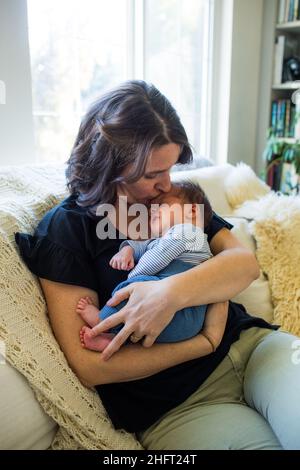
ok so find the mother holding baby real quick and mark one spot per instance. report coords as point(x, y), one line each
point(237, 388)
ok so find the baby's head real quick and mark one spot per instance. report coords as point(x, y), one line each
point(185, 203)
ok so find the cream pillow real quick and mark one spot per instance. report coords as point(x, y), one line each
point(257, 297)
point(211, 179)
point(24, 424)
point(242, 184)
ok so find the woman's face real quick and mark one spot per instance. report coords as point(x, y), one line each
point(156, 179)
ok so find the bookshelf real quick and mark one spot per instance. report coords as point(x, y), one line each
point(289, 26)
point(283, 147)
point(286, 86)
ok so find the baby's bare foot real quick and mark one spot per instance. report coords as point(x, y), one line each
point(88, 311)
point(95, 343)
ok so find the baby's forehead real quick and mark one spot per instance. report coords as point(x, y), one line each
point(173, 195)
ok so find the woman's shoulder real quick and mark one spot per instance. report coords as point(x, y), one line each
point(67, 209)
point(73, 228)
point(61, 247)
point(66, 224)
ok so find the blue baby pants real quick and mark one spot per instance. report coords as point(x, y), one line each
point(185, 324)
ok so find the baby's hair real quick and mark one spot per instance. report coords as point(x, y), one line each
point(192, 193)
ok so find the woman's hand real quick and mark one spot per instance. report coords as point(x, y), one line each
point(150, 308)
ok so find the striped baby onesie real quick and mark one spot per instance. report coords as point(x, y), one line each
point(185, 242)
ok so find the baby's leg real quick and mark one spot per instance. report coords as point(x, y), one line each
point(88, 311)
point(94, 343)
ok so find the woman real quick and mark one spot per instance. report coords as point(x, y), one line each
point(179, 395)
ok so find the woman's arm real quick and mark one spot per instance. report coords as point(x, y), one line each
point(131, 362)
point(230, 271)
point(215, 322)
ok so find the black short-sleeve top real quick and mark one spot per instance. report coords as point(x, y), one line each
point(65, 248)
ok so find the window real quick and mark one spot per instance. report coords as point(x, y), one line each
point(177, 53)
point(80, 48)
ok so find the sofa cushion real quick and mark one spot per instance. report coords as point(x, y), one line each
point(211, 179)
point(24, 424)
point(242, 184)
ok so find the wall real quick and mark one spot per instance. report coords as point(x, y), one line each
point(16, 125)
point(221, 79)
point(266, 79)
point(245, 80)
point(242, 79)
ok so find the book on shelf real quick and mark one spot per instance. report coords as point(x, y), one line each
point(282, 176)
point(289, 10)
point(285, 48)
point(278, 59)
point(270, 176)
point(281, 11)
point(290, 180)
point(283, 119)
point(274, 174)
point(277, 176)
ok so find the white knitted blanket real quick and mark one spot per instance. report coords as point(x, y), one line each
point(26, 193)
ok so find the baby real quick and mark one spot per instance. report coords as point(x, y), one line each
point(177, 222)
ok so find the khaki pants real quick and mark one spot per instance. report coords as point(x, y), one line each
point(250, 401)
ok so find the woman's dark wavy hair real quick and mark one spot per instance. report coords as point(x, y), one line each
point(122, 127)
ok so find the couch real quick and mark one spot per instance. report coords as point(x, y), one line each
point(27, 419)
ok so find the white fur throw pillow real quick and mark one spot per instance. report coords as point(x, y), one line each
point(276, 228)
